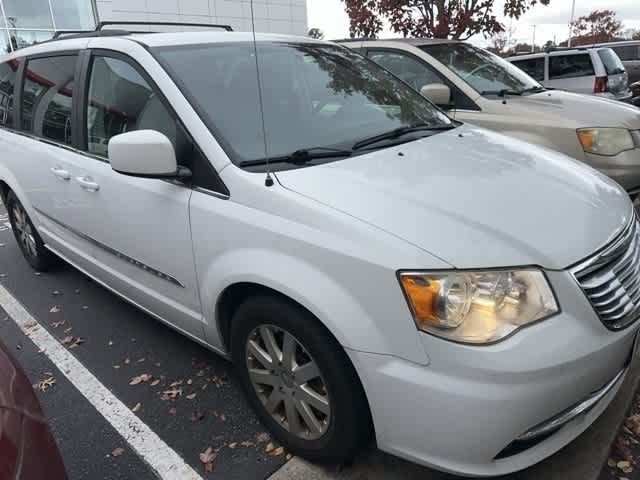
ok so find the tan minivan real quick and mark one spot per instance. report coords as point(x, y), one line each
point(478, 87)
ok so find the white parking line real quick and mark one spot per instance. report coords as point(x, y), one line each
point(165, 462)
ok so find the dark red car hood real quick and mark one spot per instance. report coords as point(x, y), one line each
point(27, 448)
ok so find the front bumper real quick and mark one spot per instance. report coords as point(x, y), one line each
point(470, 404)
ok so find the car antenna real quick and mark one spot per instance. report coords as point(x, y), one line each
point(268, 182)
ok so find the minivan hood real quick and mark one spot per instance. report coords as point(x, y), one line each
point(583, 110)
point(474, 199)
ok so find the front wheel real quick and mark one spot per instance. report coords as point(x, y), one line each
point(299, 380)
point(27, 236)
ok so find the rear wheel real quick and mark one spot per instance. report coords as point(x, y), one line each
point(299, 380)
point(27, 236)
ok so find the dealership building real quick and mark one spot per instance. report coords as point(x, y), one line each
point(23, 22)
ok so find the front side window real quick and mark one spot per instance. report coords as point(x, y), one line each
point(534, 67)
point(315, 96)
point(482, 70)
point(7, 91)
point(48, 96)
point(407, 68)
point(120, 100)
point(570, 66)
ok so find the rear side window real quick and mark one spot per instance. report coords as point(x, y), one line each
point(47, 102)
point(121, 100)
point(628, 53)
point(533, 66)
point(612, 63)
point(7, 89)
point(570, 66)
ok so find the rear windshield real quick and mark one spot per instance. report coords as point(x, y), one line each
point(612, 63)
point(316, 96)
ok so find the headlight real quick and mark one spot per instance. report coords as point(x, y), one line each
point(477, 307)
point(606, 141)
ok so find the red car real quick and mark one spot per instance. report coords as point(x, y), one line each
point(27, 448)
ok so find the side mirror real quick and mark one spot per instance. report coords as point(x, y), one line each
point(144, 153)
point(438, 93)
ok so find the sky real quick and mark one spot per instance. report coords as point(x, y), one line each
point(551, 21)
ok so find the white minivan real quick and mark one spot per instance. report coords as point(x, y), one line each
point(373, 268)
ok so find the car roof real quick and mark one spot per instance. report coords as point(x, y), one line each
point(152, 40)
point(562, 51)
point(621, 43)
point(418, 42)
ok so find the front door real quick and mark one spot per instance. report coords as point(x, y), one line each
point(139, 227)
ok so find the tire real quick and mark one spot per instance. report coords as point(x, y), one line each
point(345, 427)
point(27, 236)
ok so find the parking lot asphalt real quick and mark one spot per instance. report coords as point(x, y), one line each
point(120, 343)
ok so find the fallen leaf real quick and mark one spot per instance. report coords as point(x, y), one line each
point(191, 396)
point(84, 307)
point(247, 443)
point(172, 411)
point(110, 343)
point(233, 445)
point(223, 417)
point(67, 330)
point(263, 437)
point(289, 456)
point(270, 447)
point(43, 385)
point(58, 324)
point(55, 309)
point(171, 394)
point(137, 407)
point(155, 382)
point(71, 341)
point(145, 377)
point(200, 373)
point(197, 416)
point(140, 360)
point(127, 361)
point(623, 464)
point(55, 293)
point(611, 462)
point(175, 384)
point(277, 452)
point(116, 367)
point(207, 457)
point(117, 452)
point(189, 382)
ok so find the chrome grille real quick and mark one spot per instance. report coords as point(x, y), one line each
point(611, 279)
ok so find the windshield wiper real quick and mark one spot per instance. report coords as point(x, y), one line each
point(399, 132)
point(299, 157)
point(536, 89)
point(501, 93)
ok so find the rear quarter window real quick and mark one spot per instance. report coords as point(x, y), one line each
point(533, 66)
point(7, 90)
point(612, 63)
point(628, 53)
point(570, 66)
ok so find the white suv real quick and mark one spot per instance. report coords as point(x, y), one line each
point(593, 71)
point(371, 266)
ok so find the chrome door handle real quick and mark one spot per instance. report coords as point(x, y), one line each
point(61, 173)
point(87, 183)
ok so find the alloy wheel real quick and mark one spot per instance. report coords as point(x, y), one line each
point(24, 231)
point(288, 382)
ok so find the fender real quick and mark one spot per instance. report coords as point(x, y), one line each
point(343, 314)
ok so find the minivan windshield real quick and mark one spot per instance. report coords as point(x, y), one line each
point(482, 70)
point(317, 98)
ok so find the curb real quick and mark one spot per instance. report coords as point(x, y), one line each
point(582, 459)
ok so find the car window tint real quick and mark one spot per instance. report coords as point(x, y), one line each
point(121, 100)
point(47, 98)
point(569, 66)
point(7, 90)
point(628, 52)
point(533, 66)
point(612, 63)
point(408, 69)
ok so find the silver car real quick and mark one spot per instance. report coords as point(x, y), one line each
point(629, 53)
point(593, 71)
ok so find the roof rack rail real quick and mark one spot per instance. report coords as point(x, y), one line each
point(101, 25)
